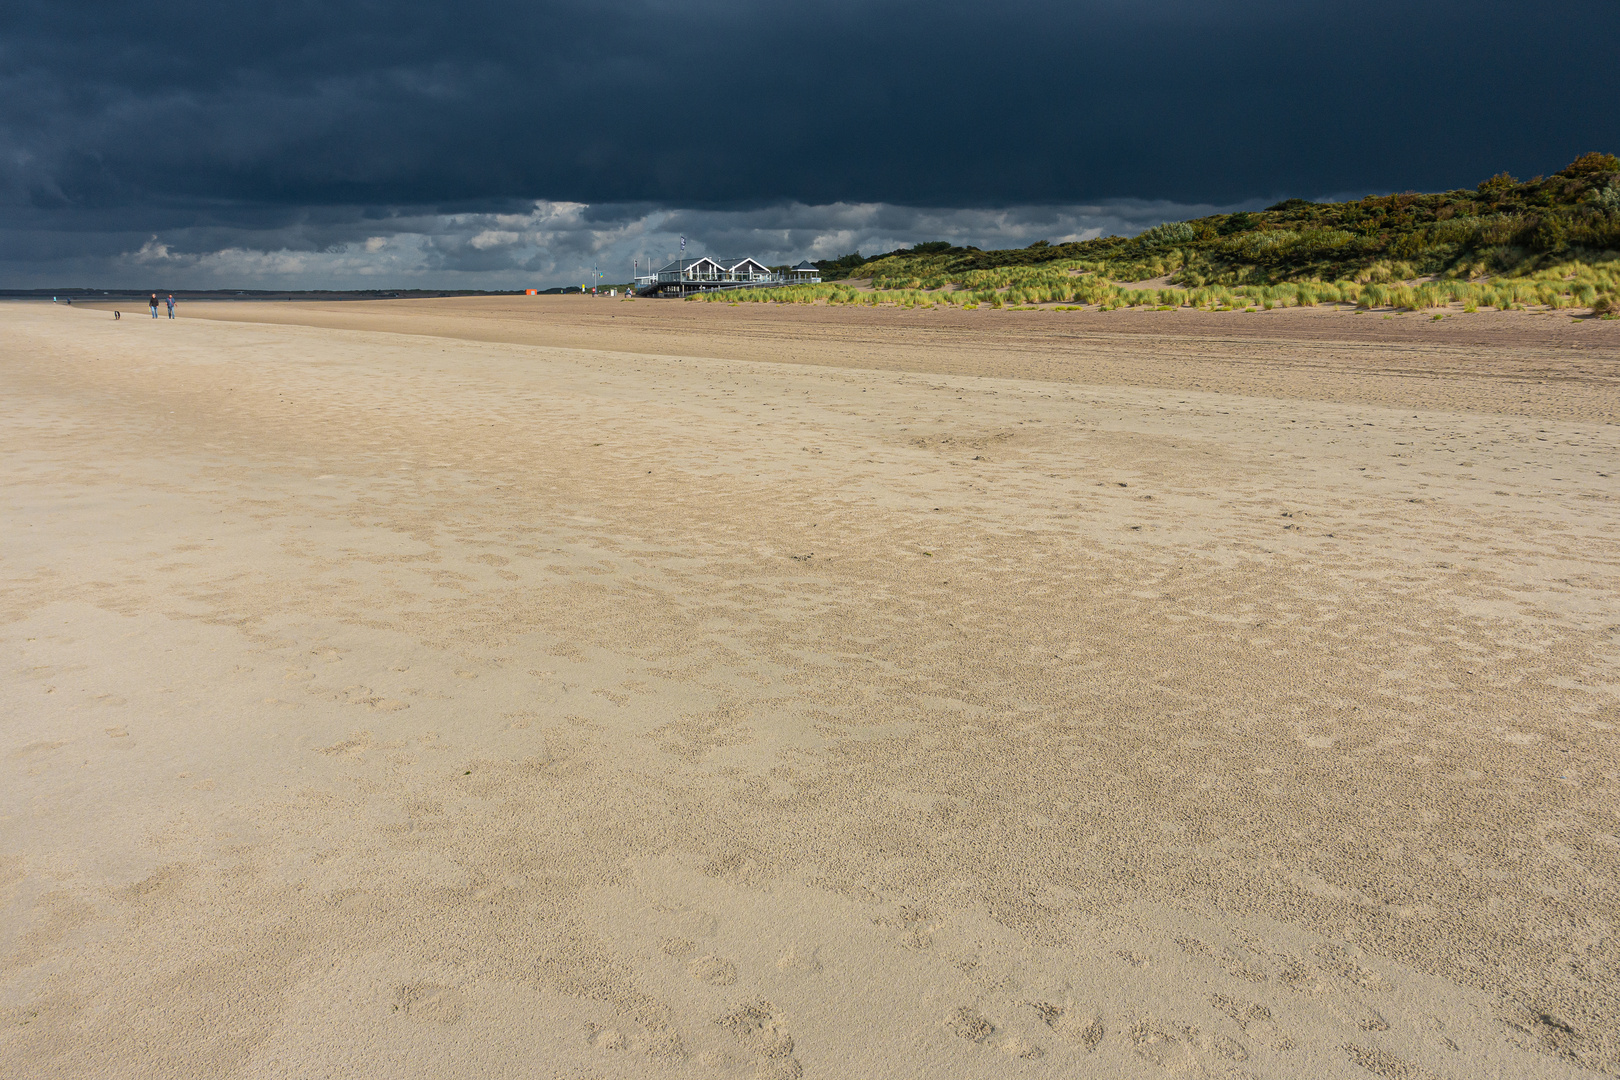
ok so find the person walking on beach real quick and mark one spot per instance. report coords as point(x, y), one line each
point(153, 303)
point(171, 305)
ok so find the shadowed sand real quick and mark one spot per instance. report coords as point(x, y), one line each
point(557, 689)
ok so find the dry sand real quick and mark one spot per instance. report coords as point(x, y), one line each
point(548, 688)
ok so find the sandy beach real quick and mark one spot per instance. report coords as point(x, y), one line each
point(556, 688)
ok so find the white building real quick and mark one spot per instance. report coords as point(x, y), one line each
point(685, 276)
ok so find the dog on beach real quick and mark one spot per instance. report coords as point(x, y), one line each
point(117, 315)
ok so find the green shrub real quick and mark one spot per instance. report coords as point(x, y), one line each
point(1171, 232)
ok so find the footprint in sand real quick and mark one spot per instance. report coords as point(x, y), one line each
point(714, 970)
point(1077, 1027)
point(1021, 1048)
point(1179, 1047)
point(164, 883)
point(1254, 1020)
point(759, 1029)
point(353, 746)
point(430, 1001)
point(1383, 1063)
point(799, 958)
point(1437, 1027)
point(41, 747)
point(1336, 962)
point(970, 1024)
point(363, 695)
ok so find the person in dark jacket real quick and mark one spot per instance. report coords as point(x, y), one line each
point(153, 303)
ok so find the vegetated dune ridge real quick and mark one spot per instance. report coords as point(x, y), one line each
point(481, 689)
point(1549, 233)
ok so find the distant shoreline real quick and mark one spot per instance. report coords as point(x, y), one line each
point(250, 294)
point(259, 295)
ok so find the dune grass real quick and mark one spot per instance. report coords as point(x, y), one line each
point(1576, 285)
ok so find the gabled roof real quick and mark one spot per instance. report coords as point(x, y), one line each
point(732, 264)
point(686, 264)
point(807, 265)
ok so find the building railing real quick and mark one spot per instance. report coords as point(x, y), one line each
point(673, 276)
point(724, 282)
point(676, 275)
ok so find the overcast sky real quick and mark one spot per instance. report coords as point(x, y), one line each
point(502, 145)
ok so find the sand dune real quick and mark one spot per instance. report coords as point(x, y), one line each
point(500, 688)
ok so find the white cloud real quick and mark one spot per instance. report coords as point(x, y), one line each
point(558, 243)
point(494, 238)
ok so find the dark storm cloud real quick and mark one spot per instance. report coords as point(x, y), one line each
point(295, 124)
